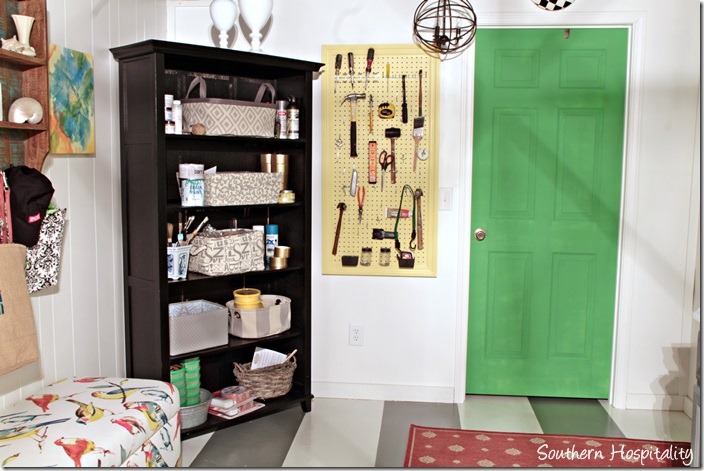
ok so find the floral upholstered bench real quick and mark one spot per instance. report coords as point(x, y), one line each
point(94, 422)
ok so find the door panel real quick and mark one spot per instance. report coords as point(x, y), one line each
point(549, 117)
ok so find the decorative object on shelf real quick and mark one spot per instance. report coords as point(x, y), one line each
point(24, 23)
point(256, 14)
point(12, 44)
point(25, 110)
point(71, 103)
point(444, 27)
point(224, 14)
point(553, 5)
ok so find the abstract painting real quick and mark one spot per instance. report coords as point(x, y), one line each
point(71, 101)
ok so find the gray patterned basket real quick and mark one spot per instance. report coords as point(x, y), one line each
point(269, 382)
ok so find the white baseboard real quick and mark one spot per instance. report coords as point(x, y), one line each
point(687, 406)
point(383, 392)
point(655, 402)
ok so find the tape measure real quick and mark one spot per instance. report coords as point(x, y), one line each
point(387, 110)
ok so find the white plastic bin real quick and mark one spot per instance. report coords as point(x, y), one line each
point(196, 325)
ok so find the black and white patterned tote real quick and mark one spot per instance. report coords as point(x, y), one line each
point(44, 257)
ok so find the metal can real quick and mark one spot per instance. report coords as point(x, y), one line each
point(281, 122)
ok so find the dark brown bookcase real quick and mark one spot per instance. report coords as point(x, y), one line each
point(149, 162)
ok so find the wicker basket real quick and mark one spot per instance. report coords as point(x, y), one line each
point(272, 381)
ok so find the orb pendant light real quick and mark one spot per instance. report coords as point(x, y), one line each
point(444, 27)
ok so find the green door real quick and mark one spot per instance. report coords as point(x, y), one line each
point(546, 186)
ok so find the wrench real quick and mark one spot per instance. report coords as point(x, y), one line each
point(342, 207)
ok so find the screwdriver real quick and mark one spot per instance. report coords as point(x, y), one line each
point(338, 64)
point(368, 70)
point(388, 71)
point(350, 63)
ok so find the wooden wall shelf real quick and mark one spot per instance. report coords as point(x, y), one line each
point(24, 76)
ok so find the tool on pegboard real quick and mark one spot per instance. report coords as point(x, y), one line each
point(387, 110)
point(385, 160)
point(350, 66)
point(392, 134)
point(371, 113)
point(404, 105)
point(342, 207)
point(353, 182)
point(388, 73)
point(352, 98)
point(372, 163)
point(338, 65)
point(368, 70)
point(419, 121)
point(405, 258)
point(361, 194)
point(419, 218)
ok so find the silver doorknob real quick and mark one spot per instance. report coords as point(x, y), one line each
point(480, 234)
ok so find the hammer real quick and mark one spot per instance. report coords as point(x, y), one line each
point(353, 97)
point(393, 134)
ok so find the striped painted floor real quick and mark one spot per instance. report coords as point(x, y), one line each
point(361, 433)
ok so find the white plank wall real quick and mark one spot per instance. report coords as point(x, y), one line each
point(80, 322)
point(415, 346)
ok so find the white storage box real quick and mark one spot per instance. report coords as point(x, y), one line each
point(269, 320)
point(196, 325)
point(241, 188)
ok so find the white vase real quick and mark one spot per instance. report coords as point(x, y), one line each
point(23, 24)
point(255, 14)
point(224, 14)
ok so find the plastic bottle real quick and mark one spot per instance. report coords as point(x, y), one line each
point(292, 119)
point(177, 113)
point(169, 127)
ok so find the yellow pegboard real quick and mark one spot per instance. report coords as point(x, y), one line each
point(338, 164)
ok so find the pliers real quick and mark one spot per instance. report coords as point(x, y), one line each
point(361, 193)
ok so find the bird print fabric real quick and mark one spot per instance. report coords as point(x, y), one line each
point(93, 422)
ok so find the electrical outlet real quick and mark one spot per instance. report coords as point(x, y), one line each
point(356, 335)
point(445, 199)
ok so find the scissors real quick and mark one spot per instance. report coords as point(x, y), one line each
point(385, 160)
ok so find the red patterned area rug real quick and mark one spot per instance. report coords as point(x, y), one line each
point(446, 448)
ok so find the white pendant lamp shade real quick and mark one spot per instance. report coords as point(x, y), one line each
point(255, 14)
point(224, 14)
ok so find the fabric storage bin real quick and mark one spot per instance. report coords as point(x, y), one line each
point(196, 325)
point(241, 188)
point(230, 117)
point(271, 319)
point(227, 252)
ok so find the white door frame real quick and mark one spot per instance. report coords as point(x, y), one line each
point(635, 22)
